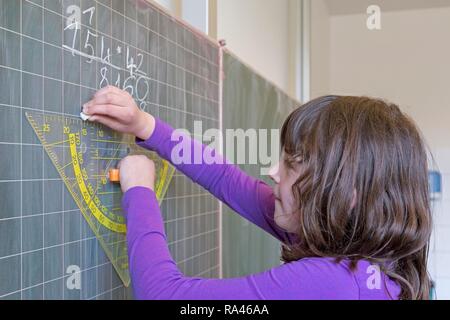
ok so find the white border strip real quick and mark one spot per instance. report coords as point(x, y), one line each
point(304, 76)
point(220, 217)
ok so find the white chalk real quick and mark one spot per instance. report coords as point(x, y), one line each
point(84, 117)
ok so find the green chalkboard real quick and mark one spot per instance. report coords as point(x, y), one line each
point(54, 55)
point(250, 102)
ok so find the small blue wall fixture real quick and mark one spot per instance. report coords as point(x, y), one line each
point(435, 182)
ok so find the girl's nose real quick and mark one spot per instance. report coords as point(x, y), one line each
point(274, 173)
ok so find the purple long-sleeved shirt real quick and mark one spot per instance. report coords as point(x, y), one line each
point(155, 274)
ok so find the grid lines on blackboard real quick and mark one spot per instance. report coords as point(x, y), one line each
point(44, 230)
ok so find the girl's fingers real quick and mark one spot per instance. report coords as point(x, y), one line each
point(111, 111)
point(110, 89)
point(110, 98)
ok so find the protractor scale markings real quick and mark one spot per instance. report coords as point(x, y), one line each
point(83, 153)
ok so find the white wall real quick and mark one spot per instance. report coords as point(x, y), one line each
point(407, 62)
point(320, 49)
point(170, 5)
point(258, 32)
point(196, 13)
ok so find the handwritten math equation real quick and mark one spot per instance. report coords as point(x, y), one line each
point(135, 81)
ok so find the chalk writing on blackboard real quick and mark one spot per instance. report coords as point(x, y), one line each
point(135, 81)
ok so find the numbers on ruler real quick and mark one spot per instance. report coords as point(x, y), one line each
point(80, 158)
point(135, 82)
point(85, 174)
point(78, 139)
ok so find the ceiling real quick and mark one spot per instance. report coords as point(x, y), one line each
point(337, 7)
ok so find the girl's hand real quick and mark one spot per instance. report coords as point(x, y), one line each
point(137, 171)
point(117, 110)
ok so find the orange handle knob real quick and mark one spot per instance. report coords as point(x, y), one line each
point(114, 175)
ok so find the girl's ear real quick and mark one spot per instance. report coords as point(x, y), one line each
point(353, 199)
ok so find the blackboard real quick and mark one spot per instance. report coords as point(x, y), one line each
point(251, 101)
point(54, 55)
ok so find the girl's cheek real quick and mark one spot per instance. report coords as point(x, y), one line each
point(288, 200)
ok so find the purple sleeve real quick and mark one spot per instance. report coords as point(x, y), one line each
point(155, 274)
point(253, 199)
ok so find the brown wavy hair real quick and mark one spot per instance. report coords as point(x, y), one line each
point(367, 147)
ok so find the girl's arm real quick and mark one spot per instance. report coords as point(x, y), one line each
point(253, 199)
point(155, 274)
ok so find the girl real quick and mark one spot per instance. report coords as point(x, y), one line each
point(350, 204)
